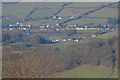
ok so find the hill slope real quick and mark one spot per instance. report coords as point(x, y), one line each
point(86, 72)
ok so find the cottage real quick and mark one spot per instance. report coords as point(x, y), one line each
point(21, 25)
point(56, 40)
point(53, 41)
point(29, 25)
point(107, 28)
point(11, 29)
point(69, 39)
point(78, 28)
point(64, 40)
point(41, 29)
point(47, 26)
point(4, 29)
point(57, 24)
point(93, 35)
point(10, 25)
point(17, 23)
point(28, 33)
point(24, 28)
point(57, 29)
point(76, 40)
point(68, 28)
point(54, 17)
point(59, 17)
point(71, 17)
point(75, 25)
point(41, 26)
point(104, 25)
point(85, 28)
point(7, 18)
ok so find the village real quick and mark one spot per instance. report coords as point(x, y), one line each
point(21, 26)
point(44, 27)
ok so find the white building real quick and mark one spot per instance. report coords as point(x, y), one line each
point(64, 40)
point(11, 29)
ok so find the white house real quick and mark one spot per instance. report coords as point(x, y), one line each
point(24, 28)
point(11, 29)
point(60, 18)
point(64, 40)
point(56, 40)
point(69, 39)
point(93, 35)
point(17, 23)
point(76, 40)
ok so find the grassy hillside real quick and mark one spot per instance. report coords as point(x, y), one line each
point(87, 4)
point(86, 72)
point(106, 12)
point(19, 9)
point(9, 21)
point(22, 9)
point(108, 35)
point(84, 21)
point(48, 9)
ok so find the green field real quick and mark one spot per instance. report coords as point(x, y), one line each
point(87, 4)
point(86, 72)
point(108, 35)
point(84, 21)
point(43, 11)
point(18, 10)
point(73, 11)
point(22, 9)
point(9, 21)
point(106, 12)
point(48, 9)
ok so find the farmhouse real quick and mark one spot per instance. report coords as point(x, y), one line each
point(24, 28)
point(93, 35)
point(7, 18)
point(60, 18)
point(57, 29)
point(64, 40)
point(54, 17)
point(17, 23)
point(69, 39)
point(71, 17)
point(11, 29)
point(57, 24)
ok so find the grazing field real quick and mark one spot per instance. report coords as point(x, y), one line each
point(87, 4)
point(9, 21)
point(108, 35)
point(23, 9)
point(84, 21)
point(45, 22)
point(81, 21)
point(86, 72)
point(106, 12)
point(73, 11)
point(48, 9)
point(18, 10)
